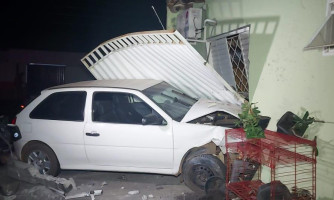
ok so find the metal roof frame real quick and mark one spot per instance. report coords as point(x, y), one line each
point(160, 55)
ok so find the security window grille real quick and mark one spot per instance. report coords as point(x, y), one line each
point(229, 57)
point(238, 65)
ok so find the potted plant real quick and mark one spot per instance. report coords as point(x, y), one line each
point(301, 124)
point(249, 119)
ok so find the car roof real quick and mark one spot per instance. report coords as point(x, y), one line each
point(135, 84)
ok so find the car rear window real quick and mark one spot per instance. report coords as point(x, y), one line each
point(67, 106)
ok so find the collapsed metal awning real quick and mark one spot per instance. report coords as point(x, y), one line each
point(160, 55)
point(325, 36)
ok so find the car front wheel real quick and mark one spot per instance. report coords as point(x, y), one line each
point(197, 170)
point(41, 157)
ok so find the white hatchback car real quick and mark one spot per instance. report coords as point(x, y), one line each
point(125, 125)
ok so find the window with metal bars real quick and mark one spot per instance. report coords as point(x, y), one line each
point(238, 65)
point(229, 57)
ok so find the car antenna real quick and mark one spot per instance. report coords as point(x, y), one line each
point(158, 17)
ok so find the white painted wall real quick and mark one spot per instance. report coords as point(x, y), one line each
point(295, 80)
point(283, 77)
point(287, 78)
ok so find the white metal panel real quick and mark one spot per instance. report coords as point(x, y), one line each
point(244, 40)
point(161, 55)
point(221, 60)
point(324, 36)
point(222, 56)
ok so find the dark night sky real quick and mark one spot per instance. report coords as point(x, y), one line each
point(74, 25)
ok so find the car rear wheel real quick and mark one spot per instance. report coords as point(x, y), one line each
point(197, 170)
point(42, 157)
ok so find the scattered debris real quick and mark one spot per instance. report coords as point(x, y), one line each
point(144, 197)
point(89, 190)
point(150, 196)
point(133, 192)
point(91, 193)
point(103, 184)
point(122, 188)
point(24, 172)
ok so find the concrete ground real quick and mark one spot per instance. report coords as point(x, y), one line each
point(118, 185)
point(122, 186)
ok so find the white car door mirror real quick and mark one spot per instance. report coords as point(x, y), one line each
point(152, 119)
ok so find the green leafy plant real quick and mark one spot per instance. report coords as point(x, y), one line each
point(301, 124)
point(249, 119)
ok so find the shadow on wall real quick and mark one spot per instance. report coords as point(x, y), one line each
point(262, 33)
point(325, 164)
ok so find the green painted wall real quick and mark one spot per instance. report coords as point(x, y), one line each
point(283, 77)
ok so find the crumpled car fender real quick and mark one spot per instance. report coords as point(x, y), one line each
point(190, 136)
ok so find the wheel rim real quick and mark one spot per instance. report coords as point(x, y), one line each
point(202, 173)
point(40, 160)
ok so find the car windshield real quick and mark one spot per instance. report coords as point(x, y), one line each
point(174, 102)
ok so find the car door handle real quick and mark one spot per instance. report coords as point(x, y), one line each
point(93, 134)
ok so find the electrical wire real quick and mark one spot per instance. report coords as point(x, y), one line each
point(158, 17)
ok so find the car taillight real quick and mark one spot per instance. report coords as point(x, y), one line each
point(14, 120)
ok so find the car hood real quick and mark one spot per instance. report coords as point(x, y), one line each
point(205, 106)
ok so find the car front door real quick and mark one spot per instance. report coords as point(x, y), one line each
point(115, 136)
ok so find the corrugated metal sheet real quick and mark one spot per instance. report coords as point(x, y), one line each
point(324, 36)
point(244, 39)
point(160, 55)
point(221, 60)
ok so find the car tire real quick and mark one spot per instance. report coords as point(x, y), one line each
point(42, 157)
point(281, 191)
point(197, 170)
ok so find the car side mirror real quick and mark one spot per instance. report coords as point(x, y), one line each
point(152, 119)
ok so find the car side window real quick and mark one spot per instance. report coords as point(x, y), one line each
point(115, 107)
point(67, 106)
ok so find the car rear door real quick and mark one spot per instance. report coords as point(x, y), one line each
point(115, 137)
point(58, 121)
